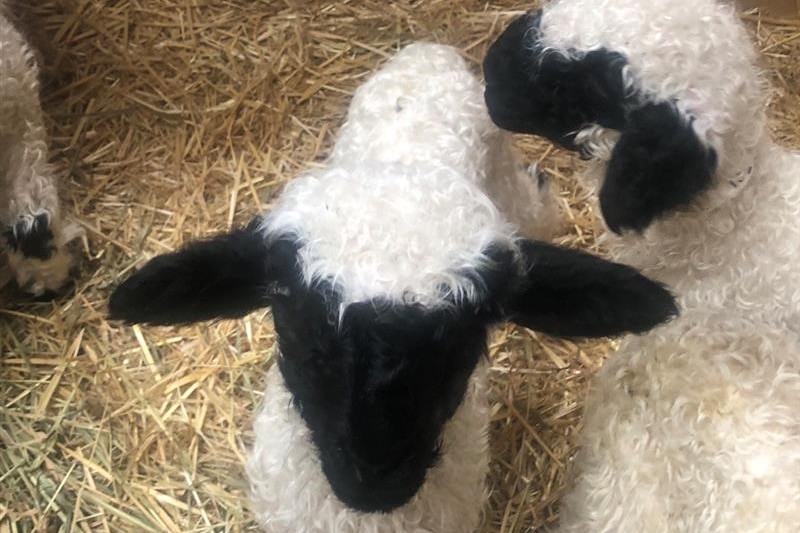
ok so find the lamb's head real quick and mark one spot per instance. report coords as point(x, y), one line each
point(664, 96)
point(381, 302)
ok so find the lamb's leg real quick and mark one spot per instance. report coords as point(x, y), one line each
point(522, 192)
point(29, 208)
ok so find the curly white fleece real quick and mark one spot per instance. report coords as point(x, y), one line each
point(733, 467)
point(403, 205)
point(28, 186)
point(290, 493)
point(407, 203)
point(695, 427)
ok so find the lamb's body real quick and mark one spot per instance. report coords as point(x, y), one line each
point(695, 427)
point(692, 429)
point(29, 204)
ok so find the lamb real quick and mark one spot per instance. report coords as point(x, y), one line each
point(384, 271)
point(35, 239)
point(695, 426)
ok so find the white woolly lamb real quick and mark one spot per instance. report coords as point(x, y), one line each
point(384, 271)
point(694, 427)
point(35, 237)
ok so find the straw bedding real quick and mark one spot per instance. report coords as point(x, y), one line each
point(173, 119)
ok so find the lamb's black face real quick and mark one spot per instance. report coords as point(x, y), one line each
point(375, 390)
point(377, 382)
point(531, 90)
point(377, 385)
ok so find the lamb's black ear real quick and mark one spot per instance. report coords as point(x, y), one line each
point(226, 276)
point(533, 89)
point(659, 164)
point(567, 293)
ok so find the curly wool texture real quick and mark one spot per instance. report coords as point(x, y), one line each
point(402, 211)
point(694, 428)
point(28, 186)
point(300, 500)
point(741, 255)
point(406, 234)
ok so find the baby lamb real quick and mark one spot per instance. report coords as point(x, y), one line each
point(694, 427)
point(384, 271)
point(34, 237)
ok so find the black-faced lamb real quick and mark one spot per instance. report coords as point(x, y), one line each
point(384, 271)
point(694, 427)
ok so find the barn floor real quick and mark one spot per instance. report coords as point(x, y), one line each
point(173, 119)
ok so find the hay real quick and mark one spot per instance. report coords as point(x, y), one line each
point(173, 119)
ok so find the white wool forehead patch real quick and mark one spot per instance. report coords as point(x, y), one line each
point(399, 213)
point(402, 232)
